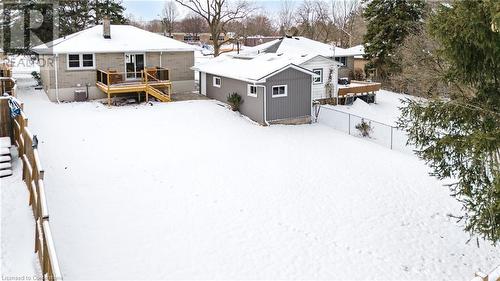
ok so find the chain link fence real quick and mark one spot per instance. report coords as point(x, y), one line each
point(384, 134)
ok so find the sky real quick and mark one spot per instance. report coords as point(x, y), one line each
point(151, 9)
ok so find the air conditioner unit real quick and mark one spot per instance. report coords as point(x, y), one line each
point(80, 95)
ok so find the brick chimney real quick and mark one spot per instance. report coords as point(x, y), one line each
point(106, 27)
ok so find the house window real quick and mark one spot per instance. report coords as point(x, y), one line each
point(73, 61)
point(318, 79)
point(342, 60)
point(217, 82)
point(81, 61)
point(279, 91)
point(252, 91)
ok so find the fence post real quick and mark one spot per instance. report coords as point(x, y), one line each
point(349, 125)
point(391, 135)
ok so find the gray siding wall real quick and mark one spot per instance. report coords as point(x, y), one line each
point(252, 106)
point(298, 101)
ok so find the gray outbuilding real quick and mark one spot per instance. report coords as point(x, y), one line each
point(282, 96)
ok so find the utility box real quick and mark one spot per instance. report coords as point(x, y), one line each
point(80, 95)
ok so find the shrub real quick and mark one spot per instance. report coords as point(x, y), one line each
point(37, 78)
point(235, 101)
point(364, 128)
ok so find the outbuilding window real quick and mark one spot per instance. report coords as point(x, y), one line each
point(217, 82)
point(252, 91)
point(318, 79)
point(81, 61)
point(279, 91)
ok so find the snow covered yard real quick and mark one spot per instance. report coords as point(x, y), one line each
point(191, 190)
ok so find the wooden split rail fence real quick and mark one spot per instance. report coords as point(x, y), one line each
point(33, 175)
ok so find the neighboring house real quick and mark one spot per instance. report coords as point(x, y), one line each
point(355, 57)
point(252, 41)
point(346, 57)
point(205, 38)
point(75, 62)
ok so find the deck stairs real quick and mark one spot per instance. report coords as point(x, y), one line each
point(158, 94)
point(5, 159)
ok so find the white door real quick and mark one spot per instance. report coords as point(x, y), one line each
point(203, 83)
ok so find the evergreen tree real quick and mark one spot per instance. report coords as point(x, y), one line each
point(388, 24)
point(77, 15)
point(458, 134)
point(113, 9)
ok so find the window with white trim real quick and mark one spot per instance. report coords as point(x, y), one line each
point(252, 91)
point(342, 60)
point(318, 79)
point(81, 61)
point(279, 91)
point(217, 82)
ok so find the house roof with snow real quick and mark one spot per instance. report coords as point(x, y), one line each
point(256, 68)
point(124, 38)
point(300, 46)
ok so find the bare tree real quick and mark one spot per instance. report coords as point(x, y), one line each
point(193, 24)
point(285, 16)
point(343, 14)
point(218, 14)
point(170, 14)
point(313, 20)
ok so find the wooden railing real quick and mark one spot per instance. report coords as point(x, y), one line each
point(358, 87)
point(5, 70)
point(111, 77)
point(33, 175)
point(7, 85)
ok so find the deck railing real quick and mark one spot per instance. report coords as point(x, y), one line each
point(5, 70)
point(111, 77)
point(359, 87)
point(7, 85)
point(33, 176)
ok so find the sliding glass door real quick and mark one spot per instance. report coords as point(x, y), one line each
point(134, 64)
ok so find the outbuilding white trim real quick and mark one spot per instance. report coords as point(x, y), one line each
point(215, 83)
point(252, 90)
point(280, 93)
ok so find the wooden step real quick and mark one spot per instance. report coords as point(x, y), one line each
point(5, 165)
point(5, 142)
point(5, 173)
point(5, 158)
point(4, 151)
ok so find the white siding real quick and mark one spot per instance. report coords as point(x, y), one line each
point(318, 90)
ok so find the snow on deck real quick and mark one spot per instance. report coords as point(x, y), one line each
point(192, 190)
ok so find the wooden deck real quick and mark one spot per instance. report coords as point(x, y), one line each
point(358, 88)
point(151, 81)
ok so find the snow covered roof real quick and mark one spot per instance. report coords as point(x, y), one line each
point(300, 46)
point(124, 38)
point(253, 69)
point(356, 51)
